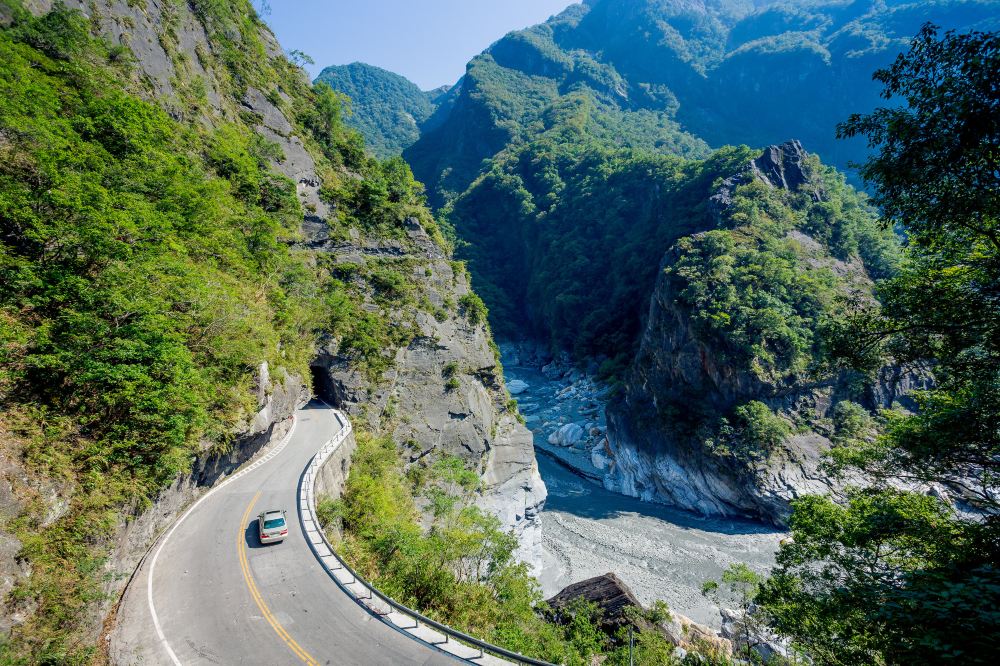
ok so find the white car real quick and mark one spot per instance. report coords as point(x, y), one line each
point(272, 526)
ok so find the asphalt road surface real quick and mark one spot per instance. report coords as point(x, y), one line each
point(220, 597)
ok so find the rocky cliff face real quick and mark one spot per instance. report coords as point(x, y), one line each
point(680, 369)
point(443, 393)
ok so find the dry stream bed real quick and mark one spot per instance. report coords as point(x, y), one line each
point(660, 552)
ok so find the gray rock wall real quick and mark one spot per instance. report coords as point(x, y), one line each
point(333, 474)
point(415, 403)
point(674, 367)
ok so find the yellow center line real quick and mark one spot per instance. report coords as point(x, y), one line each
point(255, 593)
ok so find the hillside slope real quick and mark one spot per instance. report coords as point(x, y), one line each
point(184, 217)
point(666, 75)
point(386, 108)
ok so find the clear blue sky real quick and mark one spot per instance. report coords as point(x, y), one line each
point(427, 41)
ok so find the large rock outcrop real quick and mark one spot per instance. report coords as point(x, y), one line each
point(619, 605)
point(444, 392)
point(679, 369)
point(610, 594)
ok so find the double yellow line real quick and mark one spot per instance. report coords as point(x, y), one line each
point(255, 593)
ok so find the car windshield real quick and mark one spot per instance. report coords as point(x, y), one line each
point(274, 522)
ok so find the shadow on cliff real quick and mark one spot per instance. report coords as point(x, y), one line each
point(578, 496)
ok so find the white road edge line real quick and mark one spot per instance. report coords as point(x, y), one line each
point(152, 564)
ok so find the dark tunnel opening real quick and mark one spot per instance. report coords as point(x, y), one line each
point(322, 385)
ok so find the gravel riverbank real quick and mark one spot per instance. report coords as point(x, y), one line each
point(660, 552)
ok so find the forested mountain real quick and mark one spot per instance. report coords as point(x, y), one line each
point(565, 240)
point(655, 74)
point(193, 239)
point(574, 166)
point(780, 351)
point(386, 108)
point(775, 347)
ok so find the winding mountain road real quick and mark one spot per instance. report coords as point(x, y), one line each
point(210, 593)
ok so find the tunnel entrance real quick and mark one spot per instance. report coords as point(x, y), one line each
point(322, 385)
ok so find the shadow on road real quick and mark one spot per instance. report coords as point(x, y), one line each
point(252, 536)
point(316, 403)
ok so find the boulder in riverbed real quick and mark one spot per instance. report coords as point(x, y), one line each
point(610, 594)
point(614, 598)
point(567, 435)
point(517, 387)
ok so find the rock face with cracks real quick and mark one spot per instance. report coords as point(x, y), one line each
point(676, 366)
point(444, 394)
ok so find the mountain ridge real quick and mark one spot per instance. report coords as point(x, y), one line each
point(698, 67)
point(387, 108)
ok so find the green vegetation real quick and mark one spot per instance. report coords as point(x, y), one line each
point(146, 273)
point(526, 87)
point(852, 422)
point(386, 108)
point(473, 308)
point(577, 233)
point(382, 199)
point(675, 77)
point(758, 292)
point(461, 570)
point(759, 431)
point(738, 588)
point(891, 576)
point(149, 265)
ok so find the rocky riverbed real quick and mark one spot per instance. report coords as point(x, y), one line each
point(658, 551)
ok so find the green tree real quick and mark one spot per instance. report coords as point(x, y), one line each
point(900, 577)
point(739, 587)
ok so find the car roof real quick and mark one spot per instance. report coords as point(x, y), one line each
point(273, 512)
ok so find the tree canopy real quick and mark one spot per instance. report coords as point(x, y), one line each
point(911, 576)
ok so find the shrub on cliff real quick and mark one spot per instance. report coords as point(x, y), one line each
point(461, 571)
point(760, 429)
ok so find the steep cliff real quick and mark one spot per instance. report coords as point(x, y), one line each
point(183, 216)
point(440, 391)
point(727, 408)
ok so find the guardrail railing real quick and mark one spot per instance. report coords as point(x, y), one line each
point(407, 620)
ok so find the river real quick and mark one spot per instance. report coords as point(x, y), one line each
point(658, 551)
